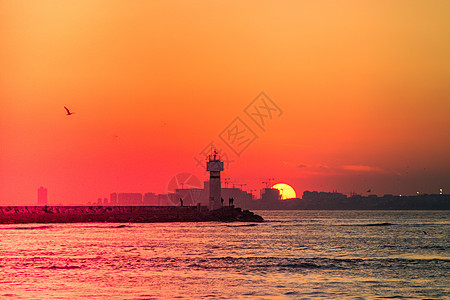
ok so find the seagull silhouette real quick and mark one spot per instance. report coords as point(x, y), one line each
point(68, 111)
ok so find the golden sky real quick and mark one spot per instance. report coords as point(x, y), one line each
point(363, 87)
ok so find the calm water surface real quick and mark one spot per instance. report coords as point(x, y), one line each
point(293, 255)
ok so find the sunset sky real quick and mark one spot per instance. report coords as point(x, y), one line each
point(362, 88)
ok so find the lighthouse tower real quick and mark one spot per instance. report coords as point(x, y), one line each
point(214, 166)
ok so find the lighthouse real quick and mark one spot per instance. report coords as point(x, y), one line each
point(214, 166)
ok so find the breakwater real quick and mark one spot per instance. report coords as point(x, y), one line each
point(122, 214)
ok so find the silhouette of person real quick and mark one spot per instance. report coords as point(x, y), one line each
point(230, 201)
point(221, 201)
point(181, 202)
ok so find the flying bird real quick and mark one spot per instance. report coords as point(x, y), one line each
point(68, 111)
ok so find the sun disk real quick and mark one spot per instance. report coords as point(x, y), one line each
point(286, 191)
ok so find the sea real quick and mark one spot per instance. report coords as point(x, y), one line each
point(292, 255)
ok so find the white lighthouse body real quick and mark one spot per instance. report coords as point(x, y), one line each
point(214, 166)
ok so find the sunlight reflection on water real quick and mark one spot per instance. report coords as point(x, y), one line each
point(295, 254)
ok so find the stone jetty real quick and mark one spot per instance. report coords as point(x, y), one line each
point(123, 214)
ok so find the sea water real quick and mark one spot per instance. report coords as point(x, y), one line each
point(292, 255)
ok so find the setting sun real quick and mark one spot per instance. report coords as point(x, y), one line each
point(286, 191)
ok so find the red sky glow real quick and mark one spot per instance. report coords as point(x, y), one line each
point(362, 89)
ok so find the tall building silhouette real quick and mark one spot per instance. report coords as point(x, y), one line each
point(113, 199)
point(42, 196)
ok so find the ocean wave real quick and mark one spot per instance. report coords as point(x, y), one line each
point(121, 226)
point(334, 225)
point(243, 225)
point(60, 267)
point(105, 226)
point(281, 264)
point(434, 247)
point(256, 264)
point(27, 228)
point(369, 225)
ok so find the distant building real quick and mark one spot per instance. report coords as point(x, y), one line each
point(324, 200)
point(151, 199)
point(241, 198)
point(113, 198)
point(165, 200)
point(129, 199)
point(190, 196)
point(196, 196)
point(42, 196)
point(270, 195)
point(270, 199)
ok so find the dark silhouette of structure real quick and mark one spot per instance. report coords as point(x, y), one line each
point(129, 199)
point(151, 199)
point(42, 196)
point(214, 166)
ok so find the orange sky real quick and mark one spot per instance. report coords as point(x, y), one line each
point(363, 87)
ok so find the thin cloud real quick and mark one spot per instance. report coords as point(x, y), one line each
point(298, 165)
point(363, 168)
point(322, 166)
point(321, 169)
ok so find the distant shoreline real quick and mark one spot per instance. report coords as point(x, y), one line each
point(337, 201)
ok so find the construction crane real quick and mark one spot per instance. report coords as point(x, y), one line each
point(241, 185)
point(267, 183)
point(226, 181)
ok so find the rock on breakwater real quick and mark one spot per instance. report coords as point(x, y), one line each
point(122, 214)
